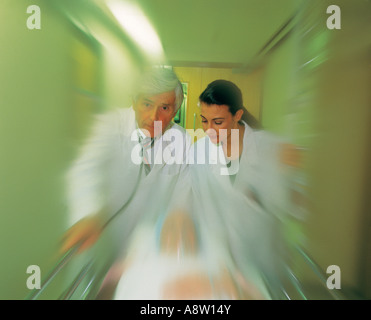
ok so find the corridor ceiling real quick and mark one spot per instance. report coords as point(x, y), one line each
point(204, 32)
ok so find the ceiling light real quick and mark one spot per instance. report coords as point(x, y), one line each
point(137, 26)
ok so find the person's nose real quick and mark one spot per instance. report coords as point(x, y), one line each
point(154, 114)
point(210, 131)
point(208, 127)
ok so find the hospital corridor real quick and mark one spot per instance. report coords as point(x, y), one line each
point(185, 150)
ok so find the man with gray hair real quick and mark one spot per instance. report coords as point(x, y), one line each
point(122, 172)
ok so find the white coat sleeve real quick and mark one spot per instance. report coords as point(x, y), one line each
point(85, 179)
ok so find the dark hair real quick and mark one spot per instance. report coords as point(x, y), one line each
point(224, 92)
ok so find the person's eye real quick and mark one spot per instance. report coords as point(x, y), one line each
point(146, 104)
point(203, 121)
point(218, 123)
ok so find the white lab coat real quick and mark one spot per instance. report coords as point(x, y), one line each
point(243, 211)
point(104, 175)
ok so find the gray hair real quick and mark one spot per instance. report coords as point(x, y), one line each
point(159, 80)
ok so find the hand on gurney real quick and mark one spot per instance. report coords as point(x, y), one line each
point(85, 233)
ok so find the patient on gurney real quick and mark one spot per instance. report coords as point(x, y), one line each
point(167, 260)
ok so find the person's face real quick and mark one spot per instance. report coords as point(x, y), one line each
point(160, 107)
point(216, 117)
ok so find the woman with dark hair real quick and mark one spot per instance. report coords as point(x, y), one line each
point(224, 92)
point(236, 178)
point(229, 127)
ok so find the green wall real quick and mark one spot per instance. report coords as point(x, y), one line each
point(277, 86)
point(34, 131)
point(52, 81)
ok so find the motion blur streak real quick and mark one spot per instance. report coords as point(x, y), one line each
point(307, 84)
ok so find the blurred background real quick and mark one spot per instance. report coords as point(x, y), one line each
point(306, 83)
